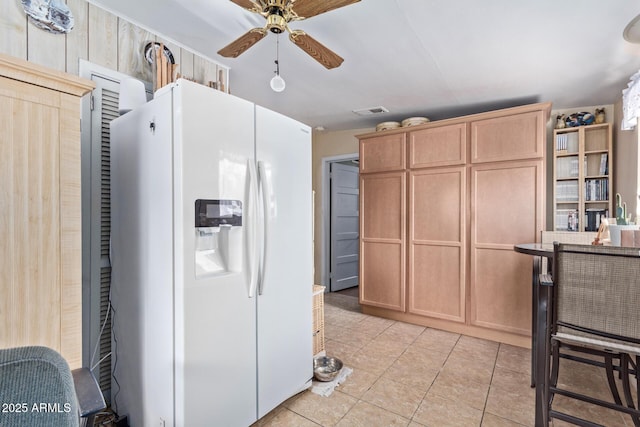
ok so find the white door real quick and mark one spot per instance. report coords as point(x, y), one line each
point(285, 302)
point(216, 319)
point(344, 226)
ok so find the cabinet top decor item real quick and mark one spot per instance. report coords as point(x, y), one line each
point(579, 119)
point(50, 15)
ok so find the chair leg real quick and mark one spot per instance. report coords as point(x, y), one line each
point(552, 381)
point(626, 386)
point(608, 362)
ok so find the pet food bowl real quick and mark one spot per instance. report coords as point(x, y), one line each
point(326, 368)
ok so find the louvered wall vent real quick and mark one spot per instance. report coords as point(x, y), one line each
point(370, 111)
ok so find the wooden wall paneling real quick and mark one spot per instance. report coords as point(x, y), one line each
point(131, 43)
point(507, 206)
point(510, 137)
point(383, 240)
point(44, 48)
point(204, 71)
point(438, 146)
point(78, 38)
point(383, 153)
point(103, 38)
point(186, 63)
point(437, 235)
point(13, 25)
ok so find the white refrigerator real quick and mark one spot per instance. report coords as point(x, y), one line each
point(212, 263)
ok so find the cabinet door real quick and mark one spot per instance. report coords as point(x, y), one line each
point(436, 243)
point(40, 265)
point(439, 146)
point(382, 242)
point(512, 137)
point(383, 153)
point(506, 209)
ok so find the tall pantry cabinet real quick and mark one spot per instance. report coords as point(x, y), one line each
point(442, 205)
point(40, 213)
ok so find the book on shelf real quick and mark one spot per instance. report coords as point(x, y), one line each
point(596, 189)
point(604, 164)
point(566, 220)
point(593, 218)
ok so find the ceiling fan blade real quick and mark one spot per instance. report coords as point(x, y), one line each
point(244, 42)
point(247, 4)
point(317, 50)
point(308, 8)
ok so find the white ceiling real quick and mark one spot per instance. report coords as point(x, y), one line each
point(428, 58)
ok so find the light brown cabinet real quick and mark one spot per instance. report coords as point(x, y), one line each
point(475, 187)
point(40, 214)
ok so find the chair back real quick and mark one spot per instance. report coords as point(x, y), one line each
point(38, 383)
point(597, 291)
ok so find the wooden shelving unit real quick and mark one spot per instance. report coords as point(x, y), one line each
point(582, 172)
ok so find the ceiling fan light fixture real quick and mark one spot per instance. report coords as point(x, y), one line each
point(276, 24)
point(277, 83)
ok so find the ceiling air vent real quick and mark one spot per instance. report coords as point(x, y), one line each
point(370, 111)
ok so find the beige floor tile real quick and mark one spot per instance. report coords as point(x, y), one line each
point(514, 358)
point(460, 390)
point(436, 411)
point(466, 368)
point(419, 377)
point(385, 346)
point(283, 417)
point(364, 414)
point(326, 411)
point(436, 340)
point(374, 363)
point(512, 382)
point(516, 407)
point(339, 349)
point(394, 396)
point(355, 338)
point(403, 332)
point(358, 382)
point(420, 356)
point(490, 420)
point(476, 349)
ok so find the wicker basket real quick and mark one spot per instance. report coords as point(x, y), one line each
point(318, 319)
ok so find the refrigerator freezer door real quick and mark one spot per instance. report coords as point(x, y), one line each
point(215, 318)
point(285, 357)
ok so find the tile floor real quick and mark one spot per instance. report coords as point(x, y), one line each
point(408, 375)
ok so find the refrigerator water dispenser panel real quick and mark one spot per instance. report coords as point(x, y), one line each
point(218, 243)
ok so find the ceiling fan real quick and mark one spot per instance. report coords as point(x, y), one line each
point(278, 14)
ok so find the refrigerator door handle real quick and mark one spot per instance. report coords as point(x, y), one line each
point(252, 233)
point(265, 186)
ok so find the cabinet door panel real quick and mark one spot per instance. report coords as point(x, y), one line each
point(507, 208)
point(383, 153)
point(382, 198)
point(518, 136)
point(440, 146)
point(383, 239)
point(382, 275)
point(437, 233)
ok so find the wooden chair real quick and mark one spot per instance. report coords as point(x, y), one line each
point(595, 310)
